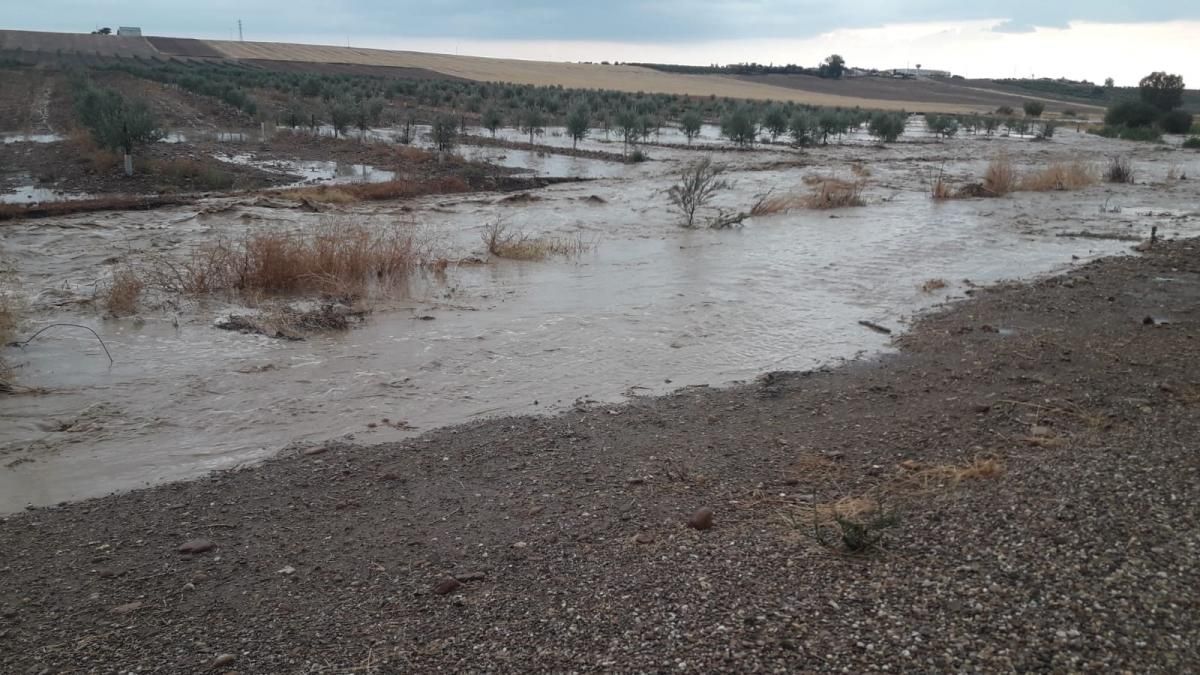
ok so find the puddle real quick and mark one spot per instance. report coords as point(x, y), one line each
point(654, 308)
point(31, 194)
point(18, 137)
point(315, 171)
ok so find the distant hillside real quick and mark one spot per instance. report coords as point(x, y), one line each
point(913, 95)
point(1080, 92)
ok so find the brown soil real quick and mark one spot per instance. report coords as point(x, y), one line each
point(975, 94)
point(1036, 444)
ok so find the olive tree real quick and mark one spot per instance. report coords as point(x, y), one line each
point(533, 122)
point(577, 124)
point(444, 132)
point(690, 124)
point(492, 120)
point(1034, 108)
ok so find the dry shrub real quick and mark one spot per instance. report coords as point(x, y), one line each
point(519, 245)
point(121, 295)
point(393, 189)
point(1060, 176)
point(769, 205)
point(833, 193)
point(101, 160)
point(940, 188)
point(192, 173)
point(932, 285)
point(337, 258)
point(1000, 177)
point(860, 170)
point(924, 478)
point(1118, 170)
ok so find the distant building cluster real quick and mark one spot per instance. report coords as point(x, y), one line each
point(919, 72)
point(129, 31)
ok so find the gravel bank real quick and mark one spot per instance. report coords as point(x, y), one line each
point(1036, 446)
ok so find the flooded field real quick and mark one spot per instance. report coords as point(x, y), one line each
point(651, 308)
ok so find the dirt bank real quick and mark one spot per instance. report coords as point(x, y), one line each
point(1036, 445)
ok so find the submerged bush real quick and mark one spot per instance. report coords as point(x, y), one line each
point(1175, 122)
point(1192, 143)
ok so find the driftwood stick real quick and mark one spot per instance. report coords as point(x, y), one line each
point(25, 342)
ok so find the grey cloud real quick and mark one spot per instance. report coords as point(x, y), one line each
point(669, 21)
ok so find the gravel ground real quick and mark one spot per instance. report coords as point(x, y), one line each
point(1036, 446)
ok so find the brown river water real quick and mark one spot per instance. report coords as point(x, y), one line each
point(654, 307)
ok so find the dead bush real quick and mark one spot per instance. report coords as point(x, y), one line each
point(120, 297)
point(698, 183)
point(1060, 176)
point(1118, 170)
point(834, 193)
point(503, 242)
point(1000, 178)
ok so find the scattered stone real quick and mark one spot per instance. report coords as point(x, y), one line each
point(447, 585)
point(644, 538)
point(222, 660)
point(287, 571)
point(127, 608)
point(197, 546)
point(468, 576)
point(316, 450)
point(1040, 431)
point(701, 519)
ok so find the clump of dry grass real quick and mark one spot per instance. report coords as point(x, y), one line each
point(859, 169)
point(503, 242)
point(940, 189)
point(1060, 176)
point(833, 193)
point(932, 285)
point(120, 297)
point(924, 478)
point(338, 258)
point(769, 205)
point(394, 189)
point(1000, 178)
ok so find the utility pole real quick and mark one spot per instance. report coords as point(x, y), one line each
point(240, 37)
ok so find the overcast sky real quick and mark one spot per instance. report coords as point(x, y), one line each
point(1073, 38)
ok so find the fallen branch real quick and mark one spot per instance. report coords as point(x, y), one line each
point(875, 327)
point(25, 342)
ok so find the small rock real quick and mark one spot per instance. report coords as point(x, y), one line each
point(701, 519)
point(287, 571)
point(980, 408)
point(644, 538)
point(127, 608)
point(1041, 431)
point(468, 576)
point(197, 546)
point(222, 660)
point(315, 450)
point(447, 585)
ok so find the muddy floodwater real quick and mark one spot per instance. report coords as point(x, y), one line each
point(653, 307)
